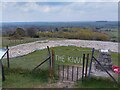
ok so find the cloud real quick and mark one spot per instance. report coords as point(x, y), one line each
point(58, 11)
point(60, 7)
point(59, 0)
point(33, 6)
point(6, 5)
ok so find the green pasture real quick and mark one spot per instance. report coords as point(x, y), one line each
point(6, 41)
point(31, 60)
point(21, 75)
point(113, 34)
point(96, 82)
point(12, 42)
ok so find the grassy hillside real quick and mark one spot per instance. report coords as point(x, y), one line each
point(20, 75)
point(12, 42)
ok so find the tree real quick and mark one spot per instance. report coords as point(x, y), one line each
point(20, 31)
point(31, 32)
point(17, 34)
point(56, 29)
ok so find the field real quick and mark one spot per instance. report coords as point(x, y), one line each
point(12, 42)
point(113, 35)
point(21, 75)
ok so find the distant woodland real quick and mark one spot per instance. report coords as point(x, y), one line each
point(87, 31)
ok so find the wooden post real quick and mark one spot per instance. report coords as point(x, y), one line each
point(49, 54)
point(52, 62)
point(8, 64)
point(83, 67)
point(86, 65)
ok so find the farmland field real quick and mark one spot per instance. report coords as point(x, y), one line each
point(113, 35)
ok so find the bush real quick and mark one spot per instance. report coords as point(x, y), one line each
point(31, 32)
point(83, 34)
point(20, 31)
point(17, 34)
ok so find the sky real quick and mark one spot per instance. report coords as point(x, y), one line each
point(58, 11)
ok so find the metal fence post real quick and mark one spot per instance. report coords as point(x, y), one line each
point(58, 71)
point(8, 64)
point(67, 72)
point(2, 70)
point(72, 72)
point(63, 72)
point(91, 63)
point(77, 73)
point(83, 67)
point(86, 65)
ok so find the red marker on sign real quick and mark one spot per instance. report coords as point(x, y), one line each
point(116, 69)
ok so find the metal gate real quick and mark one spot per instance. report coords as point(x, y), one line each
point(69, 73)
point(73, 72)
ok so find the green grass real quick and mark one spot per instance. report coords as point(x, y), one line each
point(0, 80)
point(20, 73)
point(29, 61)
point(96, 82)
point(55, 38)
point(70, 51)
point(12, 42)
point(115, 58)
point(19, 78)
point(113, 34)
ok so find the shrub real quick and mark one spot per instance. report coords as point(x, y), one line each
point(31, 32)
point(76, 33)
point(20, 31)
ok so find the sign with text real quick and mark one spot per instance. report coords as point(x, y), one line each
point(68, 59)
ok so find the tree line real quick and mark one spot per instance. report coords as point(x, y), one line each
point(19, 33)
point(76, 33)
point(69, 33)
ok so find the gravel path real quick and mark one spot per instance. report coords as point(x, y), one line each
point(27, 48)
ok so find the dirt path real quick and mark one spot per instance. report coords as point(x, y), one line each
point(63, 84)
point(27, 48)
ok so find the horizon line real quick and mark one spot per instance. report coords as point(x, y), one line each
point(57, 21)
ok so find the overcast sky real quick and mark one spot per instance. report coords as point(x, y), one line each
point(58, 11)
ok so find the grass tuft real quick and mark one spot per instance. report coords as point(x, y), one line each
point(96, 82)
